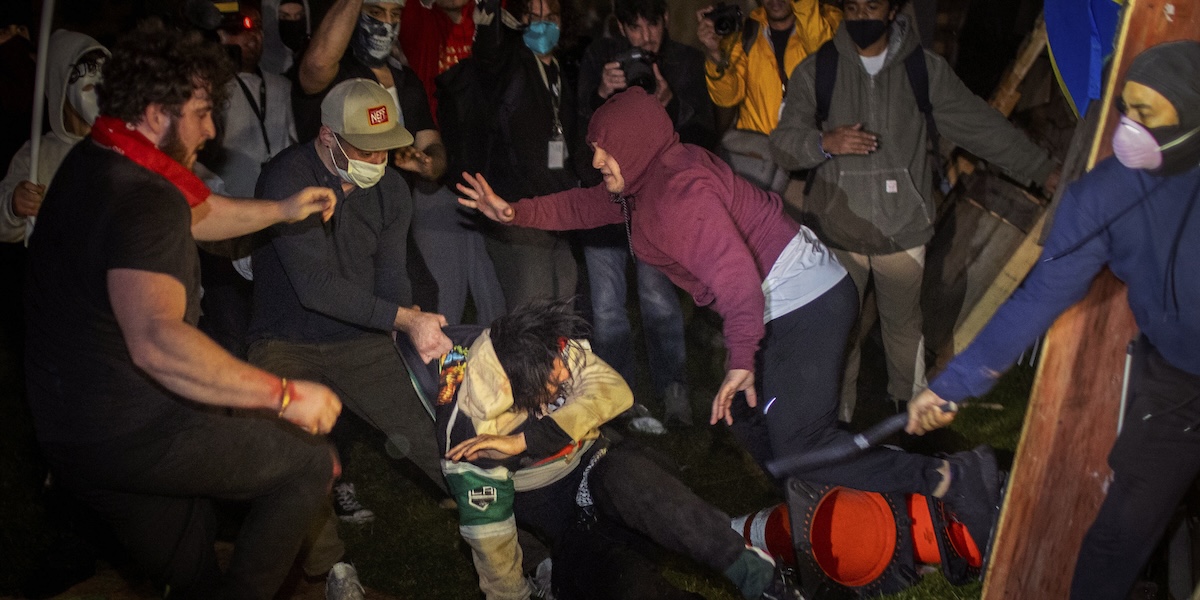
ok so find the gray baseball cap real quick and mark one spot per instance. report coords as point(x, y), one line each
point(364, 114)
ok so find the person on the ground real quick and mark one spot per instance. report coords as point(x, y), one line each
point(519, 414)
point(872, 198)
point(129, 399)
point(1136, 214)
point(788, 305)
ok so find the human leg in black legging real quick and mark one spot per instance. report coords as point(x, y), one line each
point(800, 368)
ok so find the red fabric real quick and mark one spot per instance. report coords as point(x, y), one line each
point(122, 138)
point(433, 43)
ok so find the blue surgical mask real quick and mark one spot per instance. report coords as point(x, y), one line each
point(541, 37)
point(372, 41)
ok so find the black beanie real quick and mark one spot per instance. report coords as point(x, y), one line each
point(1173, 70)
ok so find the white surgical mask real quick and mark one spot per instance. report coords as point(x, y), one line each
point(359, 172)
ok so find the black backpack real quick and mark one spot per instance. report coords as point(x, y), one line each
point(918, 78)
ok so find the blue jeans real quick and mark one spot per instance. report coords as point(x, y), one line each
point(662, 317)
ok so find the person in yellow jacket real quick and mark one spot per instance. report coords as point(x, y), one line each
point(753, 80)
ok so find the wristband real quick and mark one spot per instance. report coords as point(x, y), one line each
point(821, 146)
point(287, 396)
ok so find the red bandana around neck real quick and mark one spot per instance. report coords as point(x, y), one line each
point(122, 138)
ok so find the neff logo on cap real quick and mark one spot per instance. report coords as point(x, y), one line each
point(377, 115)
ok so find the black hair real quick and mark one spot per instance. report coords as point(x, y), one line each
point(628, 11)
point(895, 5)
point(528, 339)
point(157, 65)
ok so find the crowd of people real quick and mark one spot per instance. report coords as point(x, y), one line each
point(249, 217)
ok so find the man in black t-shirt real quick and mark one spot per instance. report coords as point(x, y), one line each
point(122, 386)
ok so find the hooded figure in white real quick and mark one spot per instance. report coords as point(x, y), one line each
point(72, 107)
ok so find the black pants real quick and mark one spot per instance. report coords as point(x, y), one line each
point(799, 372)
point(1154, 461)
point(155, 487)
point(633, 496)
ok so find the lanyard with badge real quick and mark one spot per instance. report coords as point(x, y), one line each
point(259, 111)
point(556, 149)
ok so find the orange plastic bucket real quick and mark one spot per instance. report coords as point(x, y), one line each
point(853, 536)
point(925, 544)
point(964, 545)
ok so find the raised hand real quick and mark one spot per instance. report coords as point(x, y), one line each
point(479, 195)
point(411, 159)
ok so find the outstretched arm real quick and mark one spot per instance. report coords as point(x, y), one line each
point(479, 195)
point(221, 217)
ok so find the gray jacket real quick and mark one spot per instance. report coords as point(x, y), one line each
point(882, 202)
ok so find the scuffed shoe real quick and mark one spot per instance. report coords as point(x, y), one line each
point(342, 583)
point(678, 407)
point(974, 495)
point(347, 506)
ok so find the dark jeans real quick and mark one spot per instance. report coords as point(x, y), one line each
point(1154, 461)
point(156, 485)
point(370, 378)
point(800, 371)
point(633, 496)
point(662, 316)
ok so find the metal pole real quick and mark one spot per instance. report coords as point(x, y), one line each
point(39, 95)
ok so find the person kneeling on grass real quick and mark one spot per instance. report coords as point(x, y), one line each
point(519, 414)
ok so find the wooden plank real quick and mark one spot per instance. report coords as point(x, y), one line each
point(1060, 473)
point(1007, 94)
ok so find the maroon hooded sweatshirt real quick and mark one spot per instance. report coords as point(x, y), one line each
point(712, 233)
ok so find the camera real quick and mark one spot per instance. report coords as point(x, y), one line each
point(638, 67)
point(726, 18)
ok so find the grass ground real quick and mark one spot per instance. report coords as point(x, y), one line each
point(412, 549)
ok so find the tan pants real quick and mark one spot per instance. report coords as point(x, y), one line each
point(897, 279)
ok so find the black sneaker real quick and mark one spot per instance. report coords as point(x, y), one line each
point(347, 507)
point(974, 495)
point(783, 586)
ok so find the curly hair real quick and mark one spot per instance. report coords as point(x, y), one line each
point(157, 65)
point(527, 341)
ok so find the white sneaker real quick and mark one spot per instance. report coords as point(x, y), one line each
point(347, 507)
point(540, 581)
point(342, 583)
